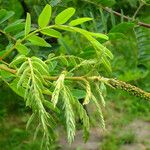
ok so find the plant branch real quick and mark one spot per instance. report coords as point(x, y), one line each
point(129, 88)
point(111, 82)
point(138, 9)
point(4, 67)
point(119, 14)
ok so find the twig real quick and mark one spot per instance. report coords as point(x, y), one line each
point(119, 14)
point(126, 17)
point(112, 82)
point(138, 9)
point(4, 67)
point(129, 88)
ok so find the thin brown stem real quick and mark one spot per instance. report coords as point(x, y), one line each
point(119, 14)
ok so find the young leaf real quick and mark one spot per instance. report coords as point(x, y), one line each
point(36, 40)
point(27, 24)
point(79, 21)
point(22, 49)
point(45, 16)
point(36, 59)
point(58, 88)
point(19, 59)
point(64, 16)
point(40, 67)
point(51, 32)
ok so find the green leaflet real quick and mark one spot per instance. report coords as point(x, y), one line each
point(69, 114)
point(40, 67)
point(58, 87)
point(45, 16)
point(51, 32)
point(23, 77)
point(27, 24)
point(79, 21)
point(36, 40)
point(64, 16)
point(88, 93)
point(99, 35)
point(84, 118)
point(39, 74)
point(40, 62)
point(79, 94)
point(22, 49)
point(99, 111)
point(99, 91)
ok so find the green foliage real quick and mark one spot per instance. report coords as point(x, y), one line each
point(57, 65)
point(33, 79)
